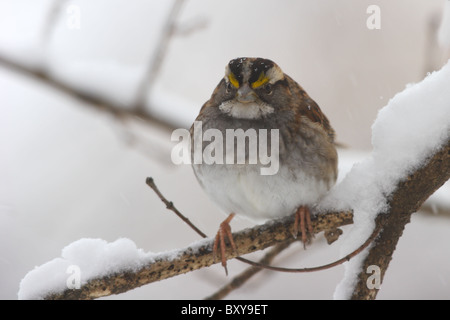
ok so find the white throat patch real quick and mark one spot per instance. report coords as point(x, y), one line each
point(251, 110)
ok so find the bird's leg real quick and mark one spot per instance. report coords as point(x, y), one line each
point(303, 220)
point(224, 231)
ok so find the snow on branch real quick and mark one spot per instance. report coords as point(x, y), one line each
point(112, 268)
point(407, 199)
point(407, 136)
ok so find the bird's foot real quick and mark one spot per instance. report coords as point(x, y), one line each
point(219, 241)
point(303, 222)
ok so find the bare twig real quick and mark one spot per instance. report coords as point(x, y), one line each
point(158, 57)
point(349, 256)
point(243, 277)
point(169, 205)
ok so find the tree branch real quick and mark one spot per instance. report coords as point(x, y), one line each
point(170, 206)
point(90, 99)
point(132, 111)
point(157, 59)
point(404, 201)
point(330, 234)
point(243, 277)
point(199, 255)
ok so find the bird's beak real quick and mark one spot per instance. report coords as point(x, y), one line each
point(245, 94)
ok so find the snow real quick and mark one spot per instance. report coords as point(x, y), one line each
point(93, 257)
point(90, 258)
point(414, 124)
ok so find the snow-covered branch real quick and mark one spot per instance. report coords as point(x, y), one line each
point(406, 200)
point(118, 267)
point(409, 161)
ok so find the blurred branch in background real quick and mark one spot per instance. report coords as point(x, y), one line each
point(50, 22)
point(126, 117)
point(434, 52)
point(239, 280)
point(137, 110)
point(157, 59)
point(88, 99)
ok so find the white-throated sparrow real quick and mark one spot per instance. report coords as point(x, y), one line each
point(257, 98)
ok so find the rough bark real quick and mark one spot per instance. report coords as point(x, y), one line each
point(196, 257)
point(404, 201)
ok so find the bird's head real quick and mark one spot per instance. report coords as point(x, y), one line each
point(250, 87)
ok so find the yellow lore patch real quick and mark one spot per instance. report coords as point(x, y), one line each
point(233, 80)
point(261, 80)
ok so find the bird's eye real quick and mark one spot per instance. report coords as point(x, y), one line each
point(229, 87)
point(268, 88)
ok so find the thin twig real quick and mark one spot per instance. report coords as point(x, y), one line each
point(243, 277)
point(354, 253)
point(170, 206)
